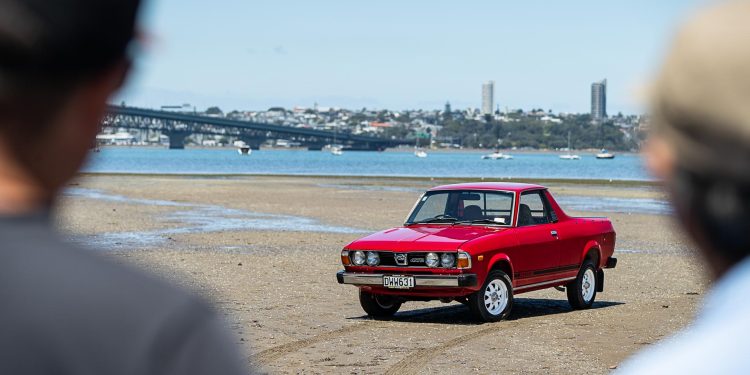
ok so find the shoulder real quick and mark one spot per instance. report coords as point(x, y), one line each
point(710, 346)
point(45, 278)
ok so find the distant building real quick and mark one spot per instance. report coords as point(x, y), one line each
point(599, 100)
point(488, 97)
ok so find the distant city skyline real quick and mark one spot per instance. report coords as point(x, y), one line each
point(400, 55)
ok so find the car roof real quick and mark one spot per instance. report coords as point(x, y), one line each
point(505, 186)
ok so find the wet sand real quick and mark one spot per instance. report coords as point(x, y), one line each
point(277, 287)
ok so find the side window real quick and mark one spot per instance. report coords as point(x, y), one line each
point(532, 209)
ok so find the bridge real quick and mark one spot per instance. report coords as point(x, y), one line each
point(178, 126)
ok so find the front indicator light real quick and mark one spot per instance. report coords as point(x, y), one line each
point(345, 258)
point(359, 258)
point(372, 258)
point(464, 261)
point(446, 260)
point(431, 260)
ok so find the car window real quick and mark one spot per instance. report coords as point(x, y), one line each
point(465, 206)
point(431, 206)
point(532, 209)
point(499, 206)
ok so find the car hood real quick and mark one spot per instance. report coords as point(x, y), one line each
point(423, 238)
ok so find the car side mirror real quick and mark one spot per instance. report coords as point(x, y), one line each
point(553, 216)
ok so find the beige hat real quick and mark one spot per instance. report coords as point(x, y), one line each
point(701, 99)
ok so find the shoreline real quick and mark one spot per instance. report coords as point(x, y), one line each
point(407, 149)
point(445, 180)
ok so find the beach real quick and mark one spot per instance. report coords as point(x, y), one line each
point(265, 249)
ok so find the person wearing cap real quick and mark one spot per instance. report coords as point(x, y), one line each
point(700, 148)
point(64, 310)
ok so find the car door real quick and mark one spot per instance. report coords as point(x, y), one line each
point(538, 256)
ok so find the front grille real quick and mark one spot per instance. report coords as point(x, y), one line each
point(388, 259)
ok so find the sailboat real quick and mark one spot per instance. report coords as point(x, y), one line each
point(497, 155)
point(243, 148)
point(569, 156)
point(417, 152)
point(604, 154)
point(336, 149)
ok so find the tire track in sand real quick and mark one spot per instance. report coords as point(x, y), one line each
point(276, 352)
point(279, 351)
point(413, 362)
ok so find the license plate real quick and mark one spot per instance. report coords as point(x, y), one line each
point(398, 282)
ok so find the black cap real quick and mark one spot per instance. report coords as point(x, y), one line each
point(63, 38)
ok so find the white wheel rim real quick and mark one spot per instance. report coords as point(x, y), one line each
point(495, 297)
point(588, 285)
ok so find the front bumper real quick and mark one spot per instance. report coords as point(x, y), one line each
point(376, 279)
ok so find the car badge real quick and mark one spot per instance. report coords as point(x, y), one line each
point(401, 259)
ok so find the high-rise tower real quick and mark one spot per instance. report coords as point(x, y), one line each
point(488, 97)
point(599, 100)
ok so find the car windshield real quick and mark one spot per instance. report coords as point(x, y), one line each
point(465, 207)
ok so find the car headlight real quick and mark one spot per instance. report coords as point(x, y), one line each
point(431, 260)
point(372, 258)
point(447, 259)
point(358, 258)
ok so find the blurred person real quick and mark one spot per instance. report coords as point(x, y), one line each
point(64, 310)
point(700, 148)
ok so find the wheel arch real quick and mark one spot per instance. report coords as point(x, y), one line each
point(593, 251)
point(501, 262)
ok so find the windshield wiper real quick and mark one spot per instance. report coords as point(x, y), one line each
point(436, 219)
point(479, 221)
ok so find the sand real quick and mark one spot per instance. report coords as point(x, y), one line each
point(278, 291)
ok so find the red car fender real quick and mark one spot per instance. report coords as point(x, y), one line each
point(592, 244)
point(500, 257)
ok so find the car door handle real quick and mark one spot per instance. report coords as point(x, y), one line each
point(553, 233)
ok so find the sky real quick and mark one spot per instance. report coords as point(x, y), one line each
point(400, 54)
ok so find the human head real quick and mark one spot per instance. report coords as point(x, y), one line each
point(700, 142)
point(59, 62)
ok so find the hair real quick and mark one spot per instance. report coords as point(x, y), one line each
point(49, 47)
point(716, 210)
point(711, 184)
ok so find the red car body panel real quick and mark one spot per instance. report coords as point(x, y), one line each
point(530, 255)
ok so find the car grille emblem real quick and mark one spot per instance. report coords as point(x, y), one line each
point(401, 259)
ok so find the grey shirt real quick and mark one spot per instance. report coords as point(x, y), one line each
point(64, 310)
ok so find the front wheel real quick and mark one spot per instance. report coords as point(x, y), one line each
point(582, 290)
point(378, 306)
point(495, 300)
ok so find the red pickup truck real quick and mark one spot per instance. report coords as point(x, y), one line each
point(480, 244)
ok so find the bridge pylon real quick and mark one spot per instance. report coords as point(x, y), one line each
point(177, 139)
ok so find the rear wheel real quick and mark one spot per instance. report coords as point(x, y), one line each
point(582, 290)
point(378, 306)
point(494, 300)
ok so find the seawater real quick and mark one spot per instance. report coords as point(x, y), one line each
point(359, 163)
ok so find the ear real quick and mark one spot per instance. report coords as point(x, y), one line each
point(660, 158)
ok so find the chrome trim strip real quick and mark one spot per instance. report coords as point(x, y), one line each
point(543, 283)
point(419, 280)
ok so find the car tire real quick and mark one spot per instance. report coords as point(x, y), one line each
point(378, 306)
point(494, 300)
point(582, 290)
